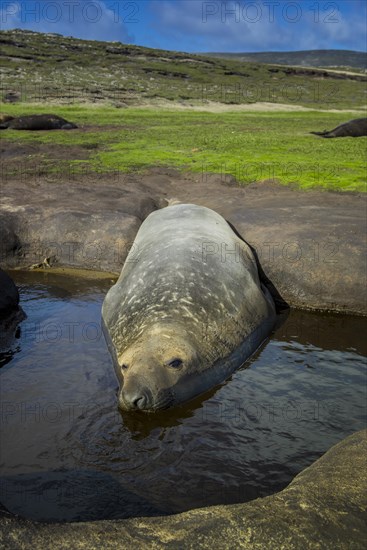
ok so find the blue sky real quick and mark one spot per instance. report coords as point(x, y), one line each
point(198, 25)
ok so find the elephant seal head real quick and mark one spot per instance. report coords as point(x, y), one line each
point(158, 370)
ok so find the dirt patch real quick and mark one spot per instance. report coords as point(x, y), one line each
point(90, 128)
point(215, 107)
point(16, 158)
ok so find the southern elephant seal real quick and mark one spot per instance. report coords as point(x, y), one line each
point(5, 118)
point(187, 310)
point(38, 122)
point(354, 128)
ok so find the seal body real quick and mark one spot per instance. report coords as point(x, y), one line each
point(187, 310)
point(354, 128)
point(38, 122)
point(5, 118)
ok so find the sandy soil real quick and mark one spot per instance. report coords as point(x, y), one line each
point(215, 107)
point(209, 106)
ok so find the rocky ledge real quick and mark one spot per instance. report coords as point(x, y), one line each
point(310, 244)
point(323, 507)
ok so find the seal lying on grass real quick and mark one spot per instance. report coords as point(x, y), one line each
point(5, 118)
point(354, 128)
point(38, 122)
point(187, 310)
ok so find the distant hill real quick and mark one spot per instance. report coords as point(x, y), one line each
point(308, 58)
point(51, 68)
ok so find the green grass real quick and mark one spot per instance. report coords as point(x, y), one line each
point(249, 146)
point(60, 70)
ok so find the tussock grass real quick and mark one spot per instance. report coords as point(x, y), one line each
point(249, 146)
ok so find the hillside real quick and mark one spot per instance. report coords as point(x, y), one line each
point(55, 69)
point(342, 59)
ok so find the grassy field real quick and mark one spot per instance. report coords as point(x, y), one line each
point(247, 145)
point(53, 69)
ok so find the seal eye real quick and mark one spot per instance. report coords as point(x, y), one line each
point(175, 363)
point(124, 366)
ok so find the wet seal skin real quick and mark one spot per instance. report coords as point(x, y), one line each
point(38, 122)
point(187, 310)
point(354, 128)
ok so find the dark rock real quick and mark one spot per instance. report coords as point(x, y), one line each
point(9, 296)
point(11, 97)
point(236, 73)
point(10, 312)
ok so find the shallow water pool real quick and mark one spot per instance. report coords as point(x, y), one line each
point(68, 454)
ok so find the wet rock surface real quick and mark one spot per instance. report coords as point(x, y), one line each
point(9, 296)
point(10, 312)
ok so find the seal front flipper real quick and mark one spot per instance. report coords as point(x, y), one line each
point(322, 134)
point(353, 128)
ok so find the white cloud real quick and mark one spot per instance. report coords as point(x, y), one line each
point(91, 20)
point(200, 25)
point(259, 25)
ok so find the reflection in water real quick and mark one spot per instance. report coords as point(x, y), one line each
point(68, 453)
point(141, 424)
point(68, 495)
point(325, 331)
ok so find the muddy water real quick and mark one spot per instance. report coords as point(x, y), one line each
point(68, 454)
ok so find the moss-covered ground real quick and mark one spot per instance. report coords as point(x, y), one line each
point(251, 146)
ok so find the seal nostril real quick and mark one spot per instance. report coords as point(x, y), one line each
point(135, 396)
point(139, 402)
